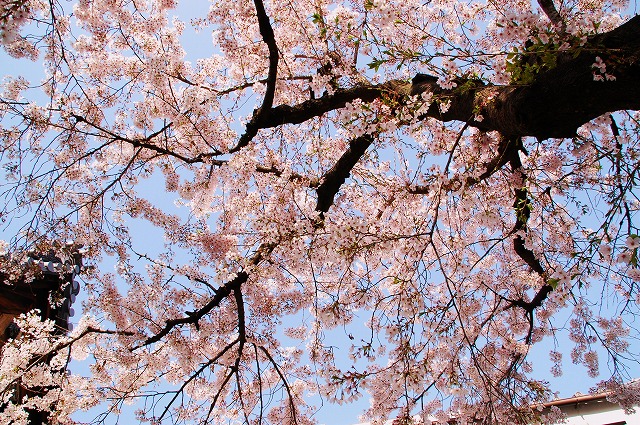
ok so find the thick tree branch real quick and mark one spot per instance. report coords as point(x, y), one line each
point(337, 175)
point(506, 149)
point(261, 114)
point(193, 317)
point(266, 31)
point(233, 285)
point(522, 206)
point(558, 102)
point(550, 10)
point(285, 114)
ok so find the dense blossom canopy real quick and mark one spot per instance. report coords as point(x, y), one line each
point(288, 204)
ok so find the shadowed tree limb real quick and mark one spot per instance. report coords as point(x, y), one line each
point(558, 101)
point(505, 150)
point(194, 316)
point(233, 285)
point(522, 207)
point(550, 10)
point(336, 176)
point(261, 114)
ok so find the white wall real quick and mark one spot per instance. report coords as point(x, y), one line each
point(598, 413)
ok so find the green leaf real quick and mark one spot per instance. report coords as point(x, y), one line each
point(375, 64)
point(553, 282)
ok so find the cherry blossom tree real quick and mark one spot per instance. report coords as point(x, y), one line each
point(386, 199)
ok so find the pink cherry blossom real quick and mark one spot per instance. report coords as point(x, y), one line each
point(605, 251)
point(624, 257)
point(632, 242)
